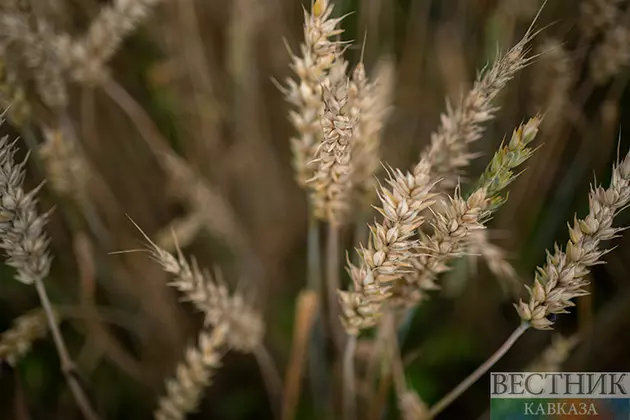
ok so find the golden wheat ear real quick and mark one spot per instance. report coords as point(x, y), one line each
point(211, 296)
point(193, 375)
point(564, 275)
point(319, 51)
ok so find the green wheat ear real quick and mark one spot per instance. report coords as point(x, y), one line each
point(499, 172)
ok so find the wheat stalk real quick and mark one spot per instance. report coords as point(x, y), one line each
point(412, 407)
point(478, 373)
point(407, 273)
point(210, 295)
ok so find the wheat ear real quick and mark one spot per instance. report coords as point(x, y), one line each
point(612, 54)
point(25, 243)
point(192, 377)
point(598, 16)
point(460, 216)
point(35, 43)
point(211, 296)
point(12, 95)
point(22, 228)
point(17, 341)
point(370, 104)
point(85, 58)
point(331, 184)
point(318, 52)
point(448, 151)
point(386, 257)
point(66, 167)
point(563, 277)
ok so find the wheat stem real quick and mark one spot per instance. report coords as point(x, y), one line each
point(479, 372)
point(317, 358)
point(143, 122)
point(398, 370)
point(333, 283)
point(314, 274)
point(271, 377)
point(349, 385)
point(306, 310)
point(67, 365)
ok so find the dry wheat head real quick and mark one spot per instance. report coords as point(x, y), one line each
point(563, 277)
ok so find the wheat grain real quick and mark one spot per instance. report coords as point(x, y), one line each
point(563, 277)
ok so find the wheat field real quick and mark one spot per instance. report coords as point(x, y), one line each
point(318, 209)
